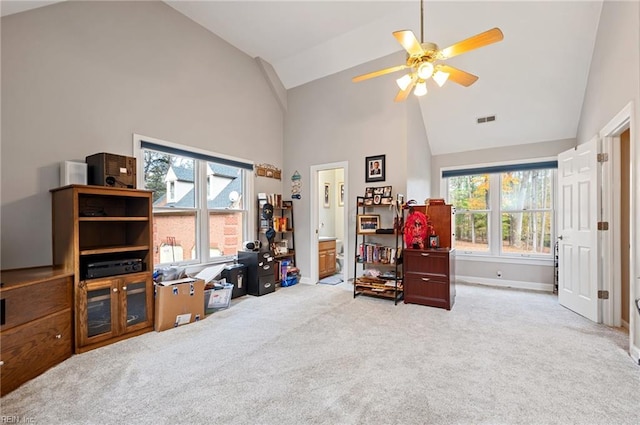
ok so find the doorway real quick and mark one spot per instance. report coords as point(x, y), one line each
point(329, 223)
point(618, 253)
point(625, 227)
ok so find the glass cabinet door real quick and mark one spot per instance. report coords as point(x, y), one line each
point(98, 321)
point(136, 291)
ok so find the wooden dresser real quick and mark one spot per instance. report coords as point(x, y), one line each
point(429, 277)
point(36, 331)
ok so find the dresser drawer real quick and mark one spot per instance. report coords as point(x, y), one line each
point(430, 262)
point(23, 304)
point(419, 289)
point(31, 349)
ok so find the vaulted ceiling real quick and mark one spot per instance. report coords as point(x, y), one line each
point(533, 81)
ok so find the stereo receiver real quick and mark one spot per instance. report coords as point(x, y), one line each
point(114, 267)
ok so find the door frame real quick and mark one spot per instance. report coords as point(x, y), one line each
point(610, 136)
point(314, 218)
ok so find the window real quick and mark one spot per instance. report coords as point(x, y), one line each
point(199, 207)
point(503, 210)
point(470, 197)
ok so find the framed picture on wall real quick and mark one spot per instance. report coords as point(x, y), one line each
point(341, 194)
point(327, 195)
point(375, 168)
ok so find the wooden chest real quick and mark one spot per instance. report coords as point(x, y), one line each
point(36, 330)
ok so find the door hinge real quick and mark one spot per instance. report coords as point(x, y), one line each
point(603, 295)
point(603, 225)
point(603, 157)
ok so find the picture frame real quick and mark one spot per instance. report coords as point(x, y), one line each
point(377, 199)
point(341, 194)
point(368, 192)
point(368, 223)
point(327, 195)
point(375, 168)
point(386, 191)
point(368, 202)
point(386, 200)
point(434, 241)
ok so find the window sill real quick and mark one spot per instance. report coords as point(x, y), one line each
point(487, 258)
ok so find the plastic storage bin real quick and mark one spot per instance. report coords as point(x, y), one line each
point(217, 298)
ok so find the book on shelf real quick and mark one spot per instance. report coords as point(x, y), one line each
point(274, 199)
point(376, 253)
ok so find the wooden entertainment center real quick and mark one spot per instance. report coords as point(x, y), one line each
point(94, 227)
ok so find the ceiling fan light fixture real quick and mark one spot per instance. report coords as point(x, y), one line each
point(404, 81)
point(440, 77)
point(425, 70)
point(421, 89)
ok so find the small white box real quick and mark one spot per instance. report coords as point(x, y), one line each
point(73, 172)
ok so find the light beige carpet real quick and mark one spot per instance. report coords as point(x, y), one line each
point(311, 354)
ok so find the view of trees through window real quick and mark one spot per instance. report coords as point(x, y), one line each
point(523, 200)
point(470, 196)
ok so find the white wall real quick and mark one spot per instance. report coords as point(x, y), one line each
point(418, 155)
point(332, 120)
point(326, 215)
point(614, 81)
point(81, 77)
point(331, 219)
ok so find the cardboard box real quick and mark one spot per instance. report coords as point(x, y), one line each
point(178, 302)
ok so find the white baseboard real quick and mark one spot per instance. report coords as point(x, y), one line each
point(307, 280)
point(518, 284)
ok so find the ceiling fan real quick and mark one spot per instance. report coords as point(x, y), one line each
point(424, 59)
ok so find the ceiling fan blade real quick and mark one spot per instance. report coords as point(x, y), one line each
point(479, 40)
point(457, 75)
point(409, 42)
point(378, 73)
point(403, 94)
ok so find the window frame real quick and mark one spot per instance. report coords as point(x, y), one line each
point(201, 194)
point(495, 211)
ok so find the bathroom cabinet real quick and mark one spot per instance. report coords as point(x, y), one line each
point(326, 258)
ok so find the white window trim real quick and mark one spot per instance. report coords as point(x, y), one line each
point(494, 254)
point(249, 225)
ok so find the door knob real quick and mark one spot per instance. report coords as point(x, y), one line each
point(560, 237)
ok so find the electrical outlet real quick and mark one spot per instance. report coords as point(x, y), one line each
point(499, 274)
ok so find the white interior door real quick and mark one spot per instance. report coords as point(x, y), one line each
point(578, 182)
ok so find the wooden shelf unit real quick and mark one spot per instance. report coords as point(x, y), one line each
point(283, 210)
point(393, 242)
point(95, 224)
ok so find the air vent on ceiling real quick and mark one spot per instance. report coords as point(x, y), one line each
point(483, 120)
